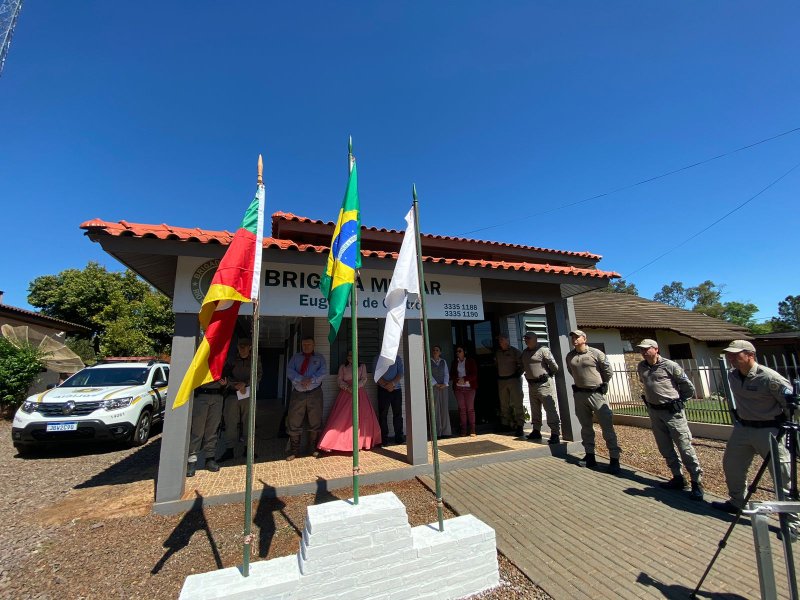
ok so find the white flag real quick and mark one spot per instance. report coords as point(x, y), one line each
point(405, 281)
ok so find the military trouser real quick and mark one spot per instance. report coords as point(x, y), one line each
point(206, 416)
point(235, 411)
point(588, 404)
point(512, 414)
point(541, 394)
point(743, 445)
point(671, 430)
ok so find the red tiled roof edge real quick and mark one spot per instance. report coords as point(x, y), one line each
point(280, 215)
point(223, 238)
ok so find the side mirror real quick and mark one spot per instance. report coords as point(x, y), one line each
point(50, 386)
point(159, 383)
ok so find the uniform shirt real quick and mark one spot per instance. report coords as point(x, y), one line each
point(393, 372)
point(508, 361)
point(237, 370)
point(589, 369)
point(316, 371)
point(759, 395)
point(538, 362)
point(664, 382)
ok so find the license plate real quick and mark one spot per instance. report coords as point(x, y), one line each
point(62, 427)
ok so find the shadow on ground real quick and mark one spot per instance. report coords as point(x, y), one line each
point(194, 520)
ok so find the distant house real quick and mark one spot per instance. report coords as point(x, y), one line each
point(55, 328)
point(781, 349)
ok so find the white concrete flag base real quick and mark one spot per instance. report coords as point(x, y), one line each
point(365, 551)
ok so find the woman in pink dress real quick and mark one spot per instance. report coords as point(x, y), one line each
point(338, 433)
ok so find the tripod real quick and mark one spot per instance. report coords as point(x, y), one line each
point(789, 434)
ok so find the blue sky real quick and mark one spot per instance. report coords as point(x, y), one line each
point(499, 112)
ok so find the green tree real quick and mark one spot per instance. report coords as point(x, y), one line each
point(788, 314)
point(673, 294)
point(128, 317)
point(740, 313)
point(707, 299)
point(19, 368)
point(620, 286)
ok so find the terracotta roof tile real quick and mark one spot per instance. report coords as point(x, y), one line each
point(284, 216)
point(624, 311)
point(203, 236)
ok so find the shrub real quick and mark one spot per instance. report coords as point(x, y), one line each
point(19, 368)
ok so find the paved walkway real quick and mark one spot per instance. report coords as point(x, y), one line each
point(579, 533)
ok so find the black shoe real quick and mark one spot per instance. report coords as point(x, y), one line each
point(554, 439)
point(588, 461)
point(697, 491)
point(519, 432)
point(535, 435)
point(613, 466)
point(726, 506)
point(211, 465)
point(228, 455)
point(676, 483)
point(191, 469)
point(400, 439)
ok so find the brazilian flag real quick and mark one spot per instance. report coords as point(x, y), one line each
point(344, 258)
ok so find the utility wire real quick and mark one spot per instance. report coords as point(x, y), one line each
point(723, 217)
point(632, 185)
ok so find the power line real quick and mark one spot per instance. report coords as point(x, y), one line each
point(723, 217)
point(632, 185)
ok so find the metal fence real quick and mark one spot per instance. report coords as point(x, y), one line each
point(709, 404)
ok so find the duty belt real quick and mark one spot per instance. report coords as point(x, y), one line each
point(508, 376)
point(576, 388)
point(209, 391)
point(776, 422)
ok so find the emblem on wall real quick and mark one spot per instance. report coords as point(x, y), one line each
point(201, 279)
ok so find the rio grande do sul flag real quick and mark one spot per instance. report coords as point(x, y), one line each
point(236, 281)
point(344, 258)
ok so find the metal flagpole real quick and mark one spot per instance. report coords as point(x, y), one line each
point(354, 336)
point(251, 415)
point(426, 343)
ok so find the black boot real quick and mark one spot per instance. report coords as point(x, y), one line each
point(613, 466)
point(588, 461)
point(294, 448)
point(554, 439)
point(191, 469)
point(227, 455)
point(535, 435)
point(519, 432)
point(697, 491)
point(676, 483)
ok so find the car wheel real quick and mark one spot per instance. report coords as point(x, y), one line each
point(142, 432)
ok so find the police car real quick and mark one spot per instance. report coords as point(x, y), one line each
point(116, 399)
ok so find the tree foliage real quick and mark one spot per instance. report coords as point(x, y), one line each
point(127, 316)
point(620, 286)
point(706, 298)
point(19, 369)
point(788, 318)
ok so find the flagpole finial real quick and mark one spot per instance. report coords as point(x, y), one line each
point(260, 170)
point(414, 191)
point(350, 144)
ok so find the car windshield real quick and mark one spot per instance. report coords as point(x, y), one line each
point(108, 376)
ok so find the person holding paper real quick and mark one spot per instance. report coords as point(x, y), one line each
point(464, 375)
point(237, 398)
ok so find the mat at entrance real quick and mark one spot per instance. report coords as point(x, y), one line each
point(473, 448)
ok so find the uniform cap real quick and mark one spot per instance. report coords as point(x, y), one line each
point(647, 343)
point(577, 333)
point(737, 346)
point(530, 334)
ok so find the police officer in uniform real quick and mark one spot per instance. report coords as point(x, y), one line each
point(759, 394)
point(206, 417)
point(509, 386)
point(666, 388)
point(539, 365)
point(591, 371)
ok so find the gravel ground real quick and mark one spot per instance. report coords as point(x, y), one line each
point(76, 524)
